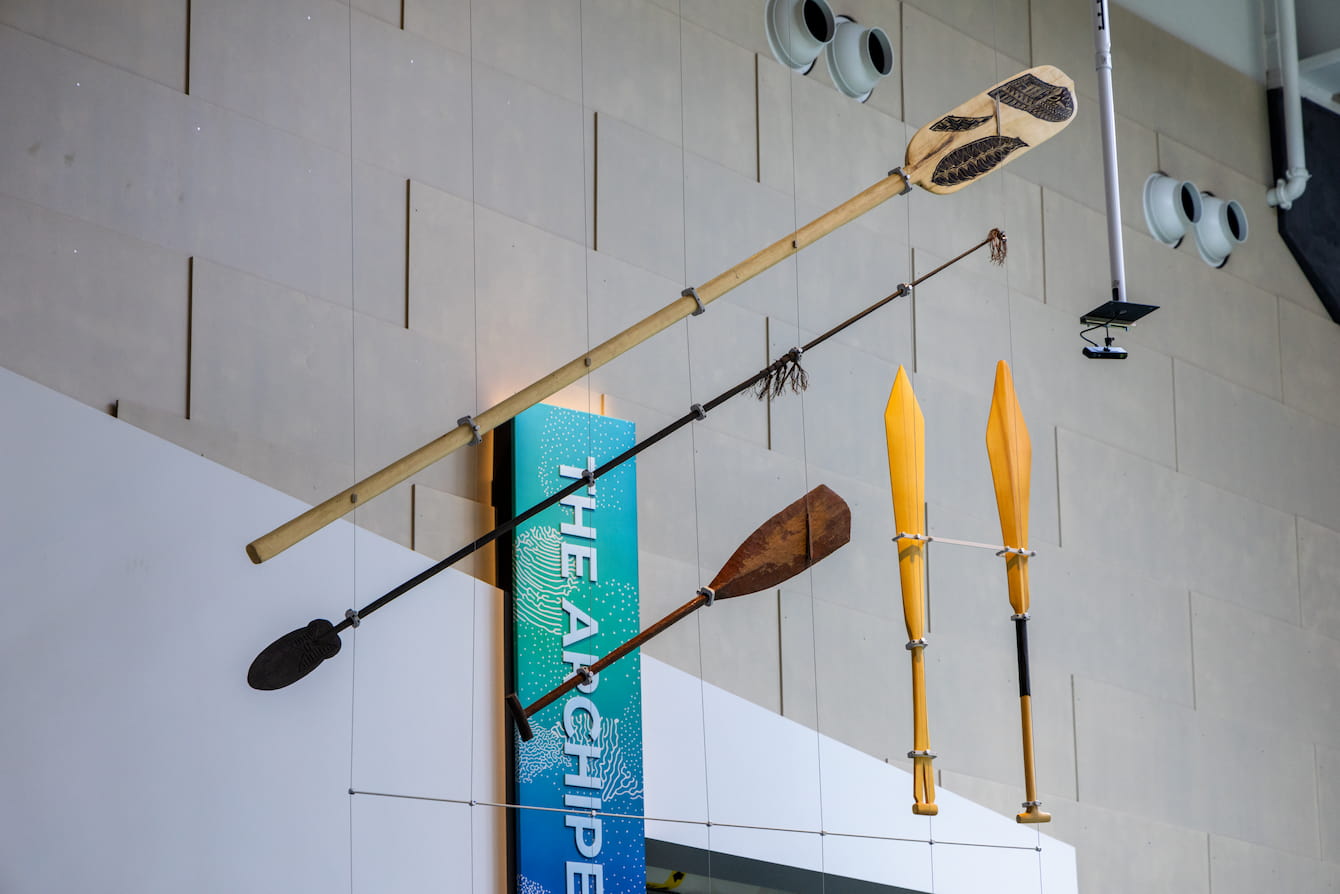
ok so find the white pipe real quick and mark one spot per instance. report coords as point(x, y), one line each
point(1291, 186)
point(1102, 41)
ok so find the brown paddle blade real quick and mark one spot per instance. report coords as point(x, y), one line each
point(812, 527)
point(783, 546)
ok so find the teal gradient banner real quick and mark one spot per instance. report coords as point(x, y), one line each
point(575, 598)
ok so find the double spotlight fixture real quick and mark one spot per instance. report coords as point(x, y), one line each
point(1172, 206)
point(858, 57)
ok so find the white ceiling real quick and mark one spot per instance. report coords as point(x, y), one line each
point(1233, 31)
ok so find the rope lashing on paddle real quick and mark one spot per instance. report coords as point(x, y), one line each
point(786, 370)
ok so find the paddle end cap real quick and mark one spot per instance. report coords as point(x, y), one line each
point(1033, 814)
point(519, 717)
point(921, 809)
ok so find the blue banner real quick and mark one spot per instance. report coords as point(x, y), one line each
point(575, 598)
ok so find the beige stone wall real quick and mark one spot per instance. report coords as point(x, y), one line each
point(302, 239)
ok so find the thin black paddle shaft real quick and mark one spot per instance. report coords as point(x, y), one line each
point(280, 663)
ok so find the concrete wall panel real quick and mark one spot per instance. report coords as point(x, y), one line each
point(759, 216)
point(529, 154)
point(91, 312)
point(1159, 506)
point(260, 350)
point(441, 273)
point(146, 38)
point(295, 73)
point(632, 58)
point(720, 109)
point(1308, 346)
point(1319, 578)
point(1184, 767)
point(843, 274)
point(539, 43)
point(381, 234)
point(1239, 867)
point(530, 289)
point(841, 148)
point(655, 374)
point(856, 676)
point(1328, 802)
point(425, 133)
point(1271, 667)
point(776, 156)
point(1241, 441)
point(635, 172)
point(448, 22)
point(962, 323)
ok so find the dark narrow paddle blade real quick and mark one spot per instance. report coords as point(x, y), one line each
point(783, 546)
point(294, 655)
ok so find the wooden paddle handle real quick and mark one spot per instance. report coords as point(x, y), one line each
point(291, 532)
point(523, 715)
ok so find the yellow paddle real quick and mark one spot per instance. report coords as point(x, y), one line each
point(905, 430)
point(1011, 454)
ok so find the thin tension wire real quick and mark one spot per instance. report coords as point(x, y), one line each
point(823, 833)
point(782, 367)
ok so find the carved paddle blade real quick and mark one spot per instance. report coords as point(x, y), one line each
point(1010, 451)
point(905, 431)
point(783, 546)
point(294, 655)
point(991, 129)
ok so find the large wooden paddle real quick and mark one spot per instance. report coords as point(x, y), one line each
point(783, 546)
point(1011, 454)
point(989, 130)
point(905, 431)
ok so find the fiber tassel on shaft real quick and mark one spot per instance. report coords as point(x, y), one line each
point(997, 240)
point(785, 371)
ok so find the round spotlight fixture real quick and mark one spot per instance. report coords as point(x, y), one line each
point(1222, 227)
point(1170, 207)
point(798, 31)
point(858, 58)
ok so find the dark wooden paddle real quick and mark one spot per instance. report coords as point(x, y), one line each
point(783, 546)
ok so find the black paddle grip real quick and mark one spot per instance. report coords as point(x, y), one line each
point(1021, 646)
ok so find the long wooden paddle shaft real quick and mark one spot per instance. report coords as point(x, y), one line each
point(942, 157)
point(291, 532)
point(579, 678)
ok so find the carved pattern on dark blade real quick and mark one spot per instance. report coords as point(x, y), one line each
point(971, 161)
point(1036, 97)
point(956, 123)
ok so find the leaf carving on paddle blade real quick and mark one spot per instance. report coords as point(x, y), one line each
point(957, 123)
point(970, 161)
point(1035, 96)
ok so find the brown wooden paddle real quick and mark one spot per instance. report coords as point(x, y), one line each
point(783, 546)
point(991, 129)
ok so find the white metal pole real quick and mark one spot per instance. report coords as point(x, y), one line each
point(1102, 41)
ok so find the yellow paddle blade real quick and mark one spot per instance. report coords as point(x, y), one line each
point(1010, 451)
point(991, 129)
point(905, 430)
